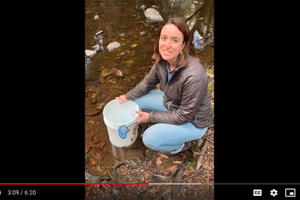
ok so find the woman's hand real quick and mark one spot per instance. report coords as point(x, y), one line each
point(144, 117)
point(122, 98)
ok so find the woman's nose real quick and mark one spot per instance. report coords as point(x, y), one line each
point(168, 44)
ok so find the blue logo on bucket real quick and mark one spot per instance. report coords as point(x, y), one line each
point(123, 130)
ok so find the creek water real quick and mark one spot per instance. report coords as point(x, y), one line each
point(124, 21)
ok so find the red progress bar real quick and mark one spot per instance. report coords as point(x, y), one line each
point(74, 183)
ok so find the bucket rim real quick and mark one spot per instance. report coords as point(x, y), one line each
point(119, 124)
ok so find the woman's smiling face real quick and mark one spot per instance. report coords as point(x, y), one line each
point(170, 42)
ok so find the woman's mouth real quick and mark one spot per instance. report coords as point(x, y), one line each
point(166, 51)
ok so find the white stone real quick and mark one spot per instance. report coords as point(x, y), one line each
point(142, 33)
point(153, 15)
point(113, 45)
point(96, 17)
point(96, 47)
point(99, 32)
point(90, 53)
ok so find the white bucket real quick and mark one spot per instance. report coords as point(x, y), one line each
point(121, 122)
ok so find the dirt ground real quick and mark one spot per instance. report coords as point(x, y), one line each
point(191, 166)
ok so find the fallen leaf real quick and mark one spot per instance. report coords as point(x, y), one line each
point(163, 155)
point(169, 170)
point(107, 72)
point(101, 145)
point(91, 122)
point(93, 96)
point(130, 62)
point(172, 168)
point(158, 161)
point(100, 106)
point(177, 162)
point(133, 45)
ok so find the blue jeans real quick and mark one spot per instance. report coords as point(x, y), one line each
point(165, 137)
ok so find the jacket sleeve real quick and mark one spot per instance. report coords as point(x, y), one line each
point(148, 83)
point(194, 89)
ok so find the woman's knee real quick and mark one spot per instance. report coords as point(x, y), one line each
point(150, 137)
point(151, 101)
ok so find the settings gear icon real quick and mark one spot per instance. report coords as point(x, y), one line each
point(273, 192)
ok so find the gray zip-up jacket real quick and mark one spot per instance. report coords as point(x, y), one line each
point(186, 96)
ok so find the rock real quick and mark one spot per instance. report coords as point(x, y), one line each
point(119, 73)
point(107, 72)
point(90, 53)
point(143, 7)
point(142, 33)
point(113, 45)
point(122, 35)
point(153, 15)
point(96, 17)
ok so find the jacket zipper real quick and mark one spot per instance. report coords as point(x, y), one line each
point(171, 78)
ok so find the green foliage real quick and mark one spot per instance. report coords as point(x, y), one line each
point(191, 163)
point(210, 85)
point(210, 74)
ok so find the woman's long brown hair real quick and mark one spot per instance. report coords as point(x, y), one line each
point(182, 59)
